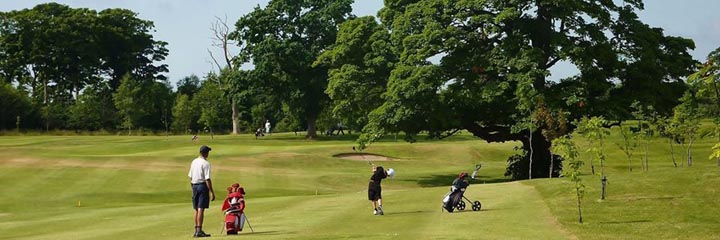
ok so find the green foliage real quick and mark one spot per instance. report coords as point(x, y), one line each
point(128, 102)
point(14, 103)
point(687, 121)
point(93, 110)
point(647, 126)
point(213, 107)
point(595, 131)
point(705, 82)
point(628, 144)
point(715, 154)
point(185, 114)
point(482, 65)
point(566, 148)
point(188, 86)
point(56, 52)
point(296, 33)
point(360, 62)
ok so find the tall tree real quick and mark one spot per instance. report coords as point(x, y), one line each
point(472, 65)
point(361, 61)
point(128, 47)
point(706, 81)
point(221, 39)
point(283, 40)
point(127, 102)
point(188, 86)
point(185, 114)
point(212, 105)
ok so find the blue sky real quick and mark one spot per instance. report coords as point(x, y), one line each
point(185, 24)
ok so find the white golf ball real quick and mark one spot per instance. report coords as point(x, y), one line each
point(391, 172)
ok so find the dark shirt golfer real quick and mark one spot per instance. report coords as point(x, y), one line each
point(375, 190)
point(202, 188)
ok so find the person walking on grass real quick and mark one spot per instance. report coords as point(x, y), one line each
point(375, 190)
point(202, 189)
point(267, 127)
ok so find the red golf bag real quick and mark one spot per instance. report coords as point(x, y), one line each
point(233, 207)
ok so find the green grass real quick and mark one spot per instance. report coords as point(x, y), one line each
point(136, 188)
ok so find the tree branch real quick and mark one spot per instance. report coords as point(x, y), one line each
point(441, 136)
point(492, 133)
point(215, 61)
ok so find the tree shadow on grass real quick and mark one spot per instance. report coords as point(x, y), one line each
point(628, 221)
point(438, 180)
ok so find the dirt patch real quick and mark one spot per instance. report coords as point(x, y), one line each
point(363, 157)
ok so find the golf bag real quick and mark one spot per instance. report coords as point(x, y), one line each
point(233, 207)
point(259, 133)
point(454, 197)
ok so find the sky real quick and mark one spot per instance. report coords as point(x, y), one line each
point(185, 25)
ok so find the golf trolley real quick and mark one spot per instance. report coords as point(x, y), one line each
point(455, 199)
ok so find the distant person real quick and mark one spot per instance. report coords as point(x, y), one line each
point(202, 188)
point(195, 137)
point(375, 190)
point(259, 133)
point(267, 126)
point(340, 129)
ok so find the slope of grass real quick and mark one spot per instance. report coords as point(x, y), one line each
point(664, 202)
point(136, 188)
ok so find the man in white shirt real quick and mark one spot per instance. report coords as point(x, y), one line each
point(267, 126)
point(202, 188)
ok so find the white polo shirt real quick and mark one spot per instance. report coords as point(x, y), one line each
point(199, 170)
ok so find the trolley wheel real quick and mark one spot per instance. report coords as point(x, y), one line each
point(476, 206)
point(461, 205)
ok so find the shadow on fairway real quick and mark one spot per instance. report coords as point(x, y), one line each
point(407, 213)
point(264, 233)
point(446, 180)
point(625, 222)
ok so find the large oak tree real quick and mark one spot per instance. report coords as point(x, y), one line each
point(484, 66)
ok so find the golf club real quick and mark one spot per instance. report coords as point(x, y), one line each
point(477, 167)
point(361, 155)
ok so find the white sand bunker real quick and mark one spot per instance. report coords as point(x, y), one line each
point(362, 157)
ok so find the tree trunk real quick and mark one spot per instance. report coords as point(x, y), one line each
point(234, 118)
point(647, 142)
point(552, 159)
point(603, 182)
point(540, 149)
point(689, 154)
point(672, 153)
point(311, 131)
point(530, 166)
point(577, 193)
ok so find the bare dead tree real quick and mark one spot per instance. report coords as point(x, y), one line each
point(221, 31)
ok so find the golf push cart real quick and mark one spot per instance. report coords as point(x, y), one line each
point(454, 199)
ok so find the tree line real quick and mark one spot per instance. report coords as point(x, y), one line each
point(418, 66)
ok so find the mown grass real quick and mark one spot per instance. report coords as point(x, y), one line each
point(131, 187)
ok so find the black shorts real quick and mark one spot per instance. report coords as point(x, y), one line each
point(374, 192)
point(201, 196)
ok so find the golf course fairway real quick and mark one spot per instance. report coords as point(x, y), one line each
point(136, 187)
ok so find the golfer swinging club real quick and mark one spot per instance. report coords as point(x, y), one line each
point(202, 188)
point(374, 189)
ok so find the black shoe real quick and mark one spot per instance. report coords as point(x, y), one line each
point(201, 234)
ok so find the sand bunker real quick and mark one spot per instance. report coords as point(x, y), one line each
point(362, 157)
